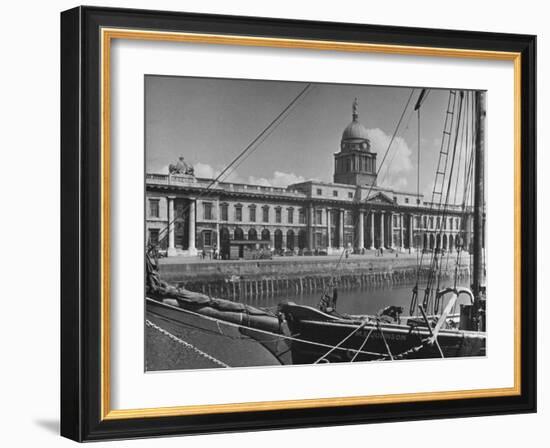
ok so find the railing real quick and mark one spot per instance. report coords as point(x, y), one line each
point(168, 179)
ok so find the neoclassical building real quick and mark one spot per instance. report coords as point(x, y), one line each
point(186, 214)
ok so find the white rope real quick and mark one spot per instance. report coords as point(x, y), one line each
point(342, 341)
point(362, 345)
point(186, 344)
point(257, 330)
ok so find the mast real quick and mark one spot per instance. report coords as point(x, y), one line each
point(479, 195)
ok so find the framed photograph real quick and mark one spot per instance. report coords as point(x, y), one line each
point(277, 224)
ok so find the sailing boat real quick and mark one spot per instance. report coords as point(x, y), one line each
point(223, 333)
point(388, 336)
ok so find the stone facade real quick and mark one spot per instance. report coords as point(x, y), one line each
point(186, 214)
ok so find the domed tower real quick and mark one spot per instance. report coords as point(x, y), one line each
point(355, 164)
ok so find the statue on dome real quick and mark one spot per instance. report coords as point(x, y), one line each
point(355, 109)
point(181, 167)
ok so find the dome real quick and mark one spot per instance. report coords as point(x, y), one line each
point(355, 130)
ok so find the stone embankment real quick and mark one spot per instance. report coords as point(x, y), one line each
point(239, 280)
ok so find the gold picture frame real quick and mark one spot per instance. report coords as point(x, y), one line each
point(107, 31)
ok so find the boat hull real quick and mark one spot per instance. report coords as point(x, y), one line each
point(228, 342)
point(317, 334)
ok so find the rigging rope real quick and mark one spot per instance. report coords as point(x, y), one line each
point(276, 336)
point(260, 138)
point(434, 272)
point(427, 291)
point(356, 236)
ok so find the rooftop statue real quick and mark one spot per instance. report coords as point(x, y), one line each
point(181, 167)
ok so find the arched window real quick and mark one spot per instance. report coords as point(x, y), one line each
point(278, 239)
point(224, 243)
point(266, 235)
point(238, 234)
point(252, 234)
point(290, 240)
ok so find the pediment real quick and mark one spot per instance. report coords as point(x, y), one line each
point(380, 198)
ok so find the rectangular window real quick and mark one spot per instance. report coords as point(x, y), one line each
point(278, 215)
point(318, 217)
point(350, 195)
point(335, 193)
point(207, 210)
point(154, 237)
point(238, 214)
point(318, 240)
point(207, 238)
point(319, 191)
point(154, 208)
point(290, 215)
point(252, 214)
point(406, 200)
point(348, 218)
point(265, 214)
point(418, 201)
point(224, 212)
point(301, 216)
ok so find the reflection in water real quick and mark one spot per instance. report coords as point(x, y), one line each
point(356, 301)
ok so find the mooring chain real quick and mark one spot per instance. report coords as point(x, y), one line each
point(186, 344)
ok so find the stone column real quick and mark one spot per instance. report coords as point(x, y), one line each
point(311, 231)
point(371, 230)
point(360, 231)
point(328, 232)
point(171, 226)
point(341, 229)
point(192, 249)
point(411, 232)
point(391, 232)
point(402, 234)
point(382, 225)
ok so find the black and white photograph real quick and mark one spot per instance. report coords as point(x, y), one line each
point(293, 223)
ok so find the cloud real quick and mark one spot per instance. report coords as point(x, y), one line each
point(209, 172)
point(205, 170)
point(398, 163)
point(278, 179)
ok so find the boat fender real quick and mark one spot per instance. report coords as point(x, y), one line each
point(171, 302)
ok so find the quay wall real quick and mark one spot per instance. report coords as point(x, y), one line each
point(243, 279)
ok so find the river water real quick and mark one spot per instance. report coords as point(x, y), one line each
point(357, 301)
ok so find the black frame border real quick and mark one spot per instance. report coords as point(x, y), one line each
point(81, 223)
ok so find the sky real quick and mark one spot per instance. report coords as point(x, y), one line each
point(210, 121)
